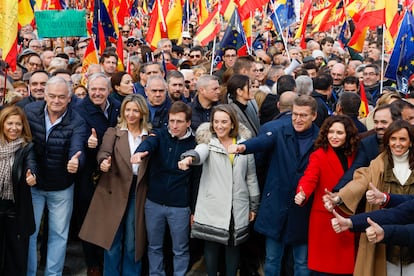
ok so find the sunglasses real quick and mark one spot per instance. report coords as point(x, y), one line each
point(195, 56)
point(259, 70)
point(131, 44)
point(187, 38)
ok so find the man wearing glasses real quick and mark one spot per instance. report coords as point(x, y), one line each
point(196, 55)
point(229, 58)
point(279, 220)
point(371, 81)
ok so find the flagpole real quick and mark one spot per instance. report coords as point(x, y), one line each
point(280, 28)
point(382, 58)
point(212, 55)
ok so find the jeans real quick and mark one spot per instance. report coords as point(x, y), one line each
point(120, 258)
point(60, 205)
point(178, 219)
point(274, 254)
point(211, 255)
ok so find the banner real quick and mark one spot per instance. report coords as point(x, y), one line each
point(63, 23)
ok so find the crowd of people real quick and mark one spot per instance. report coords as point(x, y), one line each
point(264, 164)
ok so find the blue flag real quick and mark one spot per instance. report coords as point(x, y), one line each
point(283, 16)
point(234, 36)
point(101, 15)
point(401, 64)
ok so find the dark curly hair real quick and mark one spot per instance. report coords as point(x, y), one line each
point(394, 127)
point(352, 138)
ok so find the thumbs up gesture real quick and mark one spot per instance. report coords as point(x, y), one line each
point(300, 196)
point(339, 223)
point(73, 163)
point(330, 200)
point(93, 140)
point(374, 232)
point(106, 164)
point(30, 178)
point(374, 196)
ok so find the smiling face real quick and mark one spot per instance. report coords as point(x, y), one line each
point(222, 124)
point(399, 142)
point(98, 91)
point(302, 118)
point(13, 127)
point(132, 114)
point(337, 135)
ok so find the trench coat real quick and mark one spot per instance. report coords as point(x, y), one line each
point(110, 199)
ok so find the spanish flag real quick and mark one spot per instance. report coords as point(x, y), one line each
point(8, 31)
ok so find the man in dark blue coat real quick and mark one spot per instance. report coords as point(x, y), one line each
point(59, 137)
point(99, 112)
point(279, 219)
point(170, 189)
point(370, 146)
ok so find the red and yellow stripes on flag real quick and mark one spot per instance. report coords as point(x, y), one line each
point(211, 27)
point(327, 17)
point(202, 11)
point(174, 19)
point(120, 53)
point(363, 108)
point(300, 33)
point(25, 13)
point(90, 57)
point(227, 8)
point(376, 13)
point(157, 27)
point(8, 31)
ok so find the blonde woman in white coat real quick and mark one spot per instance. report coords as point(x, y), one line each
point(228, 196)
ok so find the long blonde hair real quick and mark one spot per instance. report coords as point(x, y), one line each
point(143, 108)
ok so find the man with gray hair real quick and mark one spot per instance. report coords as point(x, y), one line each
point(157, 100)
point(99, 112)
point(59, 136)
point(208, 96)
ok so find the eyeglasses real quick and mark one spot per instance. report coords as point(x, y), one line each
point(35, 64)
point(195, 56)
point(300, 115)
point(230, 56)
point(259, 70)
point(27, 39)
point(369, 74)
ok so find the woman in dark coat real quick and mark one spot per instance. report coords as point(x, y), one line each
point(17, 174)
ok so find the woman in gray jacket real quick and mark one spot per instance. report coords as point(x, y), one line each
point(228, 195)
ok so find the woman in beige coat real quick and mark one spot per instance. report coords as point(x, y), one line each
point(115, 219)
point(391, 172)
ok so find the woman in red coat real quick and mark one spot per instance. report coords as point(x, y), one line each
point(336, 145)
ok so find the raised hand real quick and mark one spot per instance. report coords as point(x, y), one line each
point(137, 157)
point(93, 140)
point(106, 164)
point(185, 163)
point(30, 178)
point(330, 200)
point(374, 232)
point(374, 196)
point(300, 196)
point(73, 163)
point(339, 223)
